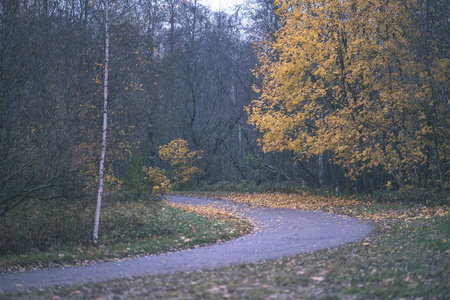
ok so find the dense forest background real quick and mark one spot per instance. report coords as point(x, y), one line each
point(177, 70)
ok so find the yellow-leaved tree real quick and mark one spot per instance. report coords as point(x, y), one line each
point(365, 80)
point(181, 160)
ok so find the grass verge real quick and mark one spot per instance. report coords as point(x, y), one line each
point(407, 256)
point(127, 230)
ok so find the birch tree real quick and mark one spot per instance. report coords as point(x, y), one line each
point(105, 125)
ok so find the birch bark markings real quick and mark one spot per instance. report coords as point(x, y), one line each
point(105, 126)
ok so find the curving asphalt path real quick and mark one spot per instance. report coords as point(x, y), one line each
point(280, 233)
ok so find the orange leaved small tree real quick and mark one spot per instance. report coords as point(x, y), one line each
point(181, 160)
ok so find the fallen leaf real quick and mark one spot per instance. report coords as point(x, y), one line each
point(217, 289)
point(325, 271)
point(318, 278)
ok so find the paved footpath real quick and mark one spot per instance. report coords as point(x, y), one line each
point(280, 233)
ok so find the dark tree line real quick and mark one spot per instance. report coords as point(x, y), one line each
point(177, 70)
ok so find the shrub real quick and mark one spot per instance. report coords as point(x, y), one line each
point(157, 181)
point(181, 160)
point(142, 182)
point(41, 225)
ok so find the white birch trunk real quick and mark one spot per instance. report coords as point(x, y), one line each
point(105, 125)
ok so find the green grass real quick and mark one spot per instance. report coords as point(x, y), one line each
point(127, 229)
point(404, 257)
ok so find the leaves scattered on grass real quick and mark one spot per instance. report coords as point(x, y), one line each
point(367, 210)
point(406, 256)
point(392, 263)
point(207, 211)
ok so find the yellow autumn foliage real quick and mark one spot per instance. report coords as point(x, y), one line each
point(157, 180)
point(346, 77)
point(181, 160)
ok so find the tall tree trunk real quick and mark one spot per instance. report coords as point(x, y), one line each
point(366, 182)
point(105, 125)
point(348, 180)
point(321, 168)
